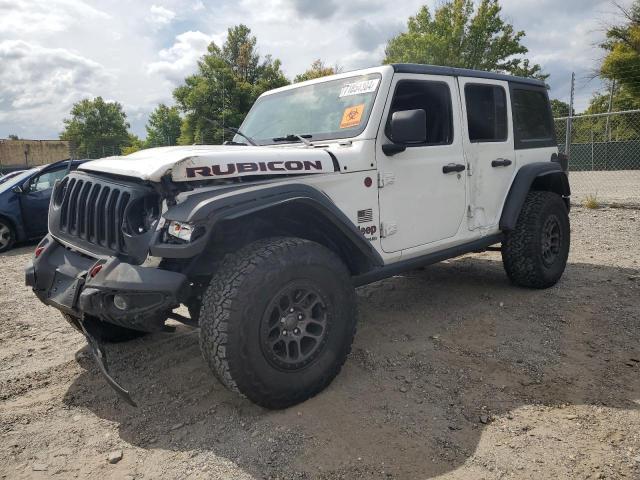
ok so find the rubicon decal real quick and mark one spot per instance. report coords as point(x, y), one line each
point(254, 167)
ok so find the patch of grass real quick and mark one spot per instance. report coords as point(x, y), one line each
point(591, 202)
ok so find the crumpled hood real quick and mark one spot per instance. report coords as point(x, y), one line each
point(208, 162)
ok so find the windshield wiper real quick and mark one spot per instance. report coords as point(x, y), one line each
point(233, 130)
point(292, 137)
point(246, 137)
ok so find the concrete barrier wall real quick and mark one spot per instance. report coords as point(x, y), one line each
point(20, 154)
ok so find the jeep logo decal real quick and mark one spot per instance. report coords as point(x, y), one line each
point(248, 167)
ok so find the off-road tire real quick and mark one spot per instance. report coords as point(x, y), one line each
point(237, 301)
point(8, 234)
point(106, 332)
point(524, 250)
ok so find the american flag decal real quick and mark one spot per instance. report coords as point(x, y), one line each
point(365, 216)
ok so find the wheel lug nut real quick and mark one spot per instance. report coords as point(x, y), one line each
point(284, 333)
point(291, 310)
point(299, 317)
point(296, 331)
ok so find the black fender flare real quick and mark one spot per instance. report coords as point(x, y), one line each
point(212, 207)
point(539, 175)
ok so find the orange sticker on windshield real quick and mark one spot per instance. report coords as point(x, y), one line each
point(352, 116)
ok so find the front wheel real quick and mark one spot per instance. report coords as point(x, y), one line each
point(7, 235)
point(535, 253)
point(277, 320)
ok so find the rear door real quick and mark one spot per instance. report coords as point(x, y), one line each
point(489, 148)
point(421, 203)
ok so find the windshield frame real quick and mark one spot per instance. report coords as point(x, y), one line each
point(318, 136)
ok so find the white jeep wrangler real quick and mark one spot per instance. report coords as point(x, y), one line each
point(328, 185)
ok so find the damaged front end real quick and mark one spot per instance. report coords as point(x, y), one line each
point(92, 267)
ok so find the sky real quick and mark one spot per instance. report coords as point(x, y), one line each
point(56, 52)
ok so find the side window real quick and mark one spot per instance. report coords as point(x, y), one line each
point(432, 97)
point(46, 180)
point(486, 113)
point(531, 118)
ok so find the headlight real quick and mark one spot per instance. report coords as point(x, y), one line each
point(183, 231)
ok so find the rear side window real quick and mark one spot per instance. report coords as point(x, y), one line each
point(532, 121)
point(486, 113)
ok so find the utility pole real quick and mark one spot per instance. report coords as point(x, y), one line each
point(567, 145)
point(609, 110)
point(223, 94)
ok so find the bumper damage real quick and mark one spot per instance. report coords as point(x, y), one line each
point(100, 357)
point(107, 290)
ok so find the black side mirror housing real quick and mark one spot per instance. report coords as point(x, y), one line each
point(409, 127)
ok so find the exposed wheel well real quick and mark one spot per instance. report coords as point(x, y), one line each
point(290, 220)
point(556, 183)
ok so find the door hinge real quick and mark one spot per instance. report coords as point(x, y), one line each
point(469, 169)
point(385, 179)
point(388, 229)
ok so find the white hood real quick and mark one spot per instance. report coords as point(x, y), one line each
point(208, 162)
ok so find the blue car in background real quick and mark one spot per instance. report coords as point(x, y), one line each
point(24, 202)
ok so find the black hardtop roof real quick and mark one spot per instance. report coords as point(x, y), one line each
point(463, 72)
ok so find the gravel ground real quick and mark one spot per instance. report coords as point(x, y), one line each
point(621, 186)
point(455, 374)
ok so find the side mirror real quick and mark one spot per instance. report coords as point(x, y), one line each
point(409, 126)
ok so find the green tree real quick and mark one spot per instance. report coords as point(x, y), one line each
point(457, 35)
point(96, 128)
point(13, 137)
point(163, 127)
point(559, 108)
point(622, 61)
point(228, 81)
point(318, 69)
point(135, 144)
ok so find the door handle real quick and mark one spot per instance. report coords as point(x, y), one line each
point(501, 162)
point(453, 167)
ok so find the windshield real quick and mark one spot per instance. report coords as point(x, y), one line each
point(321, 111)
point(17, 180)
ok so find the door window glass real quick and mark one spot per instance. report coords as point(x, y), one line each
point(46, 180)
point(531, 117)
point(486, 113)
point(432, 97)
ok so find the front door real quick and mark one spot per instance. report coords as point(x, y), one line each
point(489, 148)
point(422, 198)
point(34, 201)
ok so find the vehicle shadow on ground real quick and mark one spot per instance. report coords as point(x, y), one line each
point(440, 354)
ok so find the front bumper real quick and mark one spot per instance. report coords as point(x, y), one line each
point(60, 278)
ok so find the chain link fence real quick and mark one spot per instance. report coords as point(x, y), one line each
point(604, 156)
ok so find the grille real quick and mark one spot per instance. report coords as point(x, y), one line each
point(92, 212)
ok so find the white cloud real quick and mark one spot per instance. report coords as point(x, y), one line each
point(40, 84)
point(45, 15)
point(137, 52)
point(180, 60)
point(161, 15)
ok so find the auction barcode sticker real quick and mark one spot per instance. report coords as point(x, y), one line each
point(358, 88)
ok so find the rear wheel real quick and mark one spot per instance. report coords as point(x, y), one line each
point(7, 235)
point(277, 320)
point(535, 253)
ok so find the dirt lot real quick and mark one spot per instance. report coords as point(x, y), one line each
point(454, 374)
